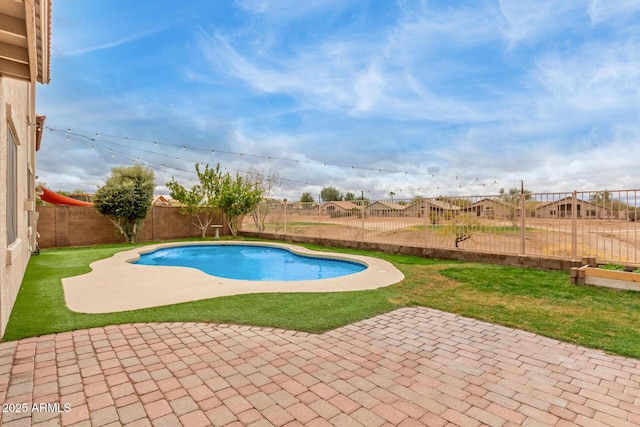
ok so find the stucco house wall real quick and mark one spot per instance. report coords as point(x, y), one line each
point(340, 208)
point(24, 34)
point(16, 111)
point(563, 209)
point(491, 209)
point(385, 209)
point(421, 207)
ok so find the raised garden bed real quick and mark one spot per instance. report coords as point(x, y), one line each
point(588, 275)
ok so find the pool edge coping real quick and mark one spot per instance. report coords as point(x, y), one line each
point(114, 284)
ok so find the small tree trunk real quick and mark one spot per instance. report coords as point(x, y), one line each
point(119, 227)
point(233, 226)
point(203, 225)
point(134, 233)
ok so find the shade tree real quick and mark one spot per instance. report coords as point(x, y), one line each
point(235, 195)
point(200, 200)
point(126, 199)
point(330, 194)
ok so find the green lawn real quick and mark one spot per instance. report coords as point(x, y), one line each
point(538, 301)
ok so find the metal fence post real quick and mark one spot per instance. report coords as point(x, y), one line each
point(426, 225)
point(319, 220)
point(523, 224)
point(362, 222)
point(574, 225)
point(285, 217)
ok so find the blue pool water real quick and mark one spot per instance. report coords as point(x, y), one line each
point(245, 262)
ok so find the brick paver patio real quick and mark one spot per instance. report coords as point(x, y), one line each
point(411, 367)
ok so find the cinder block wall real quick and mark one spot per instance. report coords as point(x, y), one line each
point(61, 226)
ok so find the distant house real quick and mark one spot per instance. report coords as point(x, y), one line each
point(340, 208)
point(384, 208)
point(275, 202)
point(299, 206)
point(563, 208)
point(160, 201)
point(24, 62)
point(302, 207)
point(422, 207)
point(490, 209)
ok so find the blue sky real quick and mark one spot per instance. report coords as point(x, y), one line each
point(412, 97)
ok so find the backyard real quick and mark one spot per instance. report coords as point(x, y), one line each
point(538, 301)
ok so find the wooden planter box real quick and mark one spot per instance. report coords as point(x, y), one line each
point(602, 277)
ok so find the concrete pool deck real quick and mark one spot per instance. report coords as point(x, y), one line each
point(115, 284)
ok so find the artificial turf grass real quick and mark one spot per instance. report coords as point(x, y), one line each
point(40, 307)
point(534, 300)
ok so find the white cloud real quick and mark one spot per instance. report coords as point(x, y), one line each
point(528, 21)
point(76, 50)
point(322, 78)
point(362, 77)
point(421, 29)
point(602, 10)
point(595, 78)
point(290, 9)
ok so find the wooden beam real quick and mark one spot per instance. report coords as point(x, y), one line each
point(30, 13)
point(13, 26)
point(15, 69)
point(14, 53)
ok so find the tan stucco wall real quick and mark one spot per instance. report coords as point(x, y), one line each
point(16, 110)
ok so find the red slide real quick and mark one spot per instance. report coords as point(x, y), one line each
point(58, 199)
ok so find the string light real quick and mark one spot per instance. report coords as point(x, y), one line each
point(162, 165)
point(325, 164)
point(77, 136)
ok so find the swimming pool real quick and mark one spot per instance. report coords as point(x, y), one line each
point(118, 283)
point(248, 262)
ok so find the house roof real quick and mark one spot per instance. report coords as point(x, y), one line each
point(25, 38)
point(569, 199)
point(437, 203)
point(160, 200)
point(343, 205)
point(388, 205)
point(487, 200)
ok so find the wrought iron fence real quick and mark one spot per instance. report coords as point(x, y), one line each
point(569, 225)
